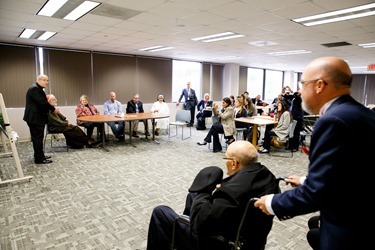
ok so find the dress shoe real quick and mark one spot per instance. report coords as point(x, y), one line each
point(156, 133)
point(230, 141)
point(47, 157)
point(217, 150)
point(189, 125)
point(202, 144)
point(135, 135)
point(45, 161)
point(148, 134)
point(92, 144)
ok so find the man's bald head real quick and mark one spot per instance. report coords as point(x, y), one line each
point(243, 151)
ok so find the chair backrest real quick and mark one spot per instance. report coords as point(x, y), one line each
point(215, 119)
point(291, 129)
point(183, 116)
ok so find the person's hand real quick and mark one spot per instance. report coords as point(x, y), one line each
point(57, 111)
point(156, 111)
point(261, 204)
point(177, 104)
point(293, 180)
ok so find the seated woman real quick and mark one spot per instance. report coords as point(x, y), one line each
point(226, 126)
point(282, 128)
point(204, 108)
point(240, 111)
point(74, 136)
point(84, 108)
point(251, 110)
point(162, 108)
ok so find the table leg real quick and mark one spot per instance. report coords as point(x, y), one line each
point(130, 134)
point(255, 136)
point(153, 131)
point(103, 139)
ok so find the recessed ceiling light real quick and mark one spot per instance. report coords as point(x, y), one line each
point(156, 48)
point(262, 43)
point(151, 48)
point(27, 33)
point(367, 45)
point(51, 7)
point(81, 10)
point(160, 49)
point(291, 52)
point(218, 37)
point(336, 16)
point(46, 35)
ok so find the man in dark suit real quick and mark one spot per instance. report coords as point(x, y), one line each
point(136, 106)
point(339, 146)
point(190, 101)
point(216, 206)
point(36, 116)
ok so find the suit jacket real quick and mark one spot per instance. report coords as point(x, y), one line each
point(130, 107)
point(201, 105)
point(227, 120)
point(340, 150)
point(193, 100)
point(37, 106)
point(220, 213)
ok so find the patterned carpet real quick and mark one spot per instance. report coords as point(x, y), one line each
point(93, 199)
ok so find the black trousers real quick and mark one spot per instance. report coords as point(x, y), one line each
point(37, 135)
point(215, 130)
point(192, 114)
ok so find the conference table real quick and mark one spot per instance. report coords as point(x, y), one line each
point(125, 118)
point(256, 121)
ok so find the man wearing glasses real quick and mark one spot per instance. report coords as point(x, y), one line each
point(337, 150)
point(216, 206)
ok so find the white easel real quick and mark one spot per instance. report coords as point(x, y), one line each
point(6, 137)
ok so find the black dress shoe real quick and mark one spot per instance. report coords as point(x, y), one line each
point(230, 141)
point(45, 161)
point(47, 157)
point(217, 150)
point(135, 135)
point(201, 144)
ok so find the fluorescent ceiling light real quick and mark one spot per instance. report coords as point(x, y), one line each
point(212, 36)
point(336, 16)
point(222, 38)
point(81, 10)
point(160, 49)
point(217, 37)
point(367, 45)
point(27, 33)
point(156, 48)
point(51, 7)
point(46, 35)
point(291, 52)
point(262, 43)
point(151, 48)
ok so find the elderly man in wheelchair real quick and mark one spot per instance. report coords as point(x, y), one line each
point(218, 214)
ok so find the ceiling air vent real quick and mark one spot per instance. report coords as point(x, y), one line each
point(338, 44)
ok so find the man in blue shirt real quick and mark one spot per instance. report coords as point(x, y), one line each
point(114, 107)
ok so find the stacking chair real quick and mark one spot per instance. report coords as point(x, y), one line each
point(280, 152)
point(182, 120)
point(54, 136)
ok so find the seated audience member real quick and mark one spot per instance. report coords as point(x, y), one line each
point(136, 106)
point(232, 100)
point(162, 108)
point(74, 136)
point(240, 111)
point(281, 130)
point(246, 94)
point(251, 110)
point(204, 108)
point(84, 108)
point(216, 206)
point(114, 107)
point(259, 103)
point(226, 126)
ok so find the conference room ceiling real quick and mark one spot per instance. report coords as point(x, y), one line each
point(125, 26)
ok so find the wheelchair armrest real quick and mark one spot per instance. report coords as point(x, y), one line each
point(184, 219)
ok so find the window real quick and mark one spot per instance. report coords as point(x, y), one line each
point(254, 82)
point(274, 85)
point(183, 72)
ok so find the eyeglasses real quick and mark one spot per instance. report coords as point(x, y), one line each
point(228, 158)
point(302, 83)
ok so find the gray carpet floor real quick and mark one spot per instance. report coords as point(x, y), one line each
point(93, 199)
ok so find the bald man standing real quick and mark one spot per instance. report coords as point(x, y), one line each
point(36, 116)
point(339, 149)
